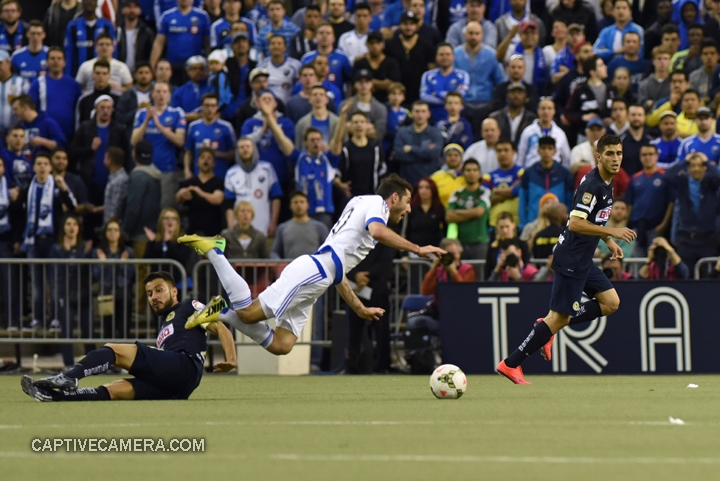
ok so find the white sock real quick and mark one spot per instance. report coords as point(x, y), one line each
point(259, 332)
point(237, 289)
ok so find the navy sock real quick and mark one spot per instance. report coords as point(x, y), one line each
point(96, 362)
point(588, 311)
point(537, 338)
point(83, 394)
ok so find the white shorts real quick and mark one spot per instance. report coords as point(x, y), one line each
point(290, 298)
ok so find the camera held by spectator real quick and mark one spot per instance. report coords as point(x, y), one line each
point(510, 266)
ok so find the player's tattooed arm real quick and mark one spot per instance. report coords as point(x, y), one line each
point(368, 313)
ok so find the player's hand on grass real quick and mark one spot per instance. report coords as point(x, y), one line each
point(224, 366)
point(371, 313)
point(624, 233)
point(428, 251)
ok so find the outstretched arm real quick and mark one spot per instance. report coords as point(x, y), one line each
point(228, 345)
point(368, 313)
point(582, 226)
point(381, 233)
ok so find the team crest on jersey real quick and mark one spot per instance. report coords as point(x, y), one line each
point(217, 132)
point(258, 194)
point(603, 215)
point(168, 119)
point(657, 182)
point(586, 198)
point(198, 306)
point(170, 316)
point(261, 179)
point(576, 306)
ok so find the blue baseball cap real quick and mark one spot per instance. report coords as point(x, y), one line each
point(595, 122)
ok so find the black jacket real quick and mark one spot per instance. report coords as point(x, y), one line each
point(501, 116)
point(499, 97)
point(581, 13)
point(84, 155)
point(143, 43)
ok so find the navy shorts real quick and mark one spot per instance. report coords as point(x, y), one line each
point(163, 374)
point(567, 291)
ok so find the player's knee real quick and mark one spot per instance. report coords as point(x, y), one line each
point(244, 316)
point(611, 305)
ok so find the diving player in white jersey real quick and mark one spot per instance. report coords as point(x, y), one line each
point(289, 299)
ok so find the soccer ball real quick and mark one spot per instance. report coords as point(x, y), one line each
point(448, 382)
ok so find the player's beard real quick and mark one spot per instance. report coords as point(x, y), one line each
point(166, 306)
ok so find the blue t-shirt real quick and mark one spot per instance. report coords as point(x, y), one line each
point(648, 196)
point(340, 69)
point(315, 176)
point(667, 151)
point(694, 192)
point(43, 126)
point(220, 32)
point(18, 167)
point(57, 98)
point(28, 65)
point(101, 174)
point(218, 135)
point(185, 33)
point(323, 126)
point(165, 153)
point(189, 95)
point(694, 143)
point(636, 68)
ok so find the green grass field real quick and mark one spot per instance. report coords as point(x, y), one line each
point(383, 428)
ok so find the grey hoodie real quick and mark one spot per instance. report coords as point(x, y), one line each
point(142, 207)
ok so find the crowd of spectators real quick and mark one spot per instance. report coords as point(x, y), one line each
point(132, 121)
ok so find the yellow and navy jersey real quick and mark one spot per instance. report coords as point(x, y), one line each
point(174, 337)
point(592, 201)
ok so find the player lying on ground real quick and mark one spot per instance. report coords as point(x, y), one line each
point(172, 371)
point(573, 264)
point(289, 299)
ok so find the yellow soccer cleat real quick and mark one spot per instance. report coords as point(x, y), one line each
point(211, 313)
point(202, 245)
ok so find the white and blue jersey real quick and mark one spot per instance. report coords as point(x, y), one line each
point(315, 176)
point(28, 65)
point(340, 67)
point(80, 42)
point(219, 135)
point(184, 33)
point(282, 77)
point(13, 87)
point(259, 186)
point(220, 32)
point(709, 147)
point(165, 153)
point(434, 86)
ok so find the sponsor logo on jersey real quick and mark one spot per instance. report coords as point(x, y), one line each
point(603, 215)
point(167, 331)
point(198, 306)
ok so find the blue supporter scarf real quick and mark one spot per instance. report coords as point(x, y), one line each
point(44, 217)
point(540, 71)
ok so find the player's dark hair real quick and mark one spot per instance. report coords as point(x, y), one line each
point(362, 6)
point(504, 140)
point(276, 2)
point(25, 100)
point(55, 48)
point(359, 113)
point(695, 25)
point(505, 215)
point(61, 234)
point(679, 72)
point(670, 28)
point(590, 64)
point(709, 42)
point(101, 64)
point(455, 94)
point(471, 161)
point(605, 140)
point(649, 146)
point(620, 101)
point(143, 65)
point(44, 154)
point(209, 95)
point(297, 193)
point(35, 24)
point(444, 45)
point(505, 243)
point(207, 150)
point(314, 8)
point(104, 35)
point(278, 36)
point(116, 155)
point(394, 184)
point(309, 131)
point(166, 276)
point(691, 92)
